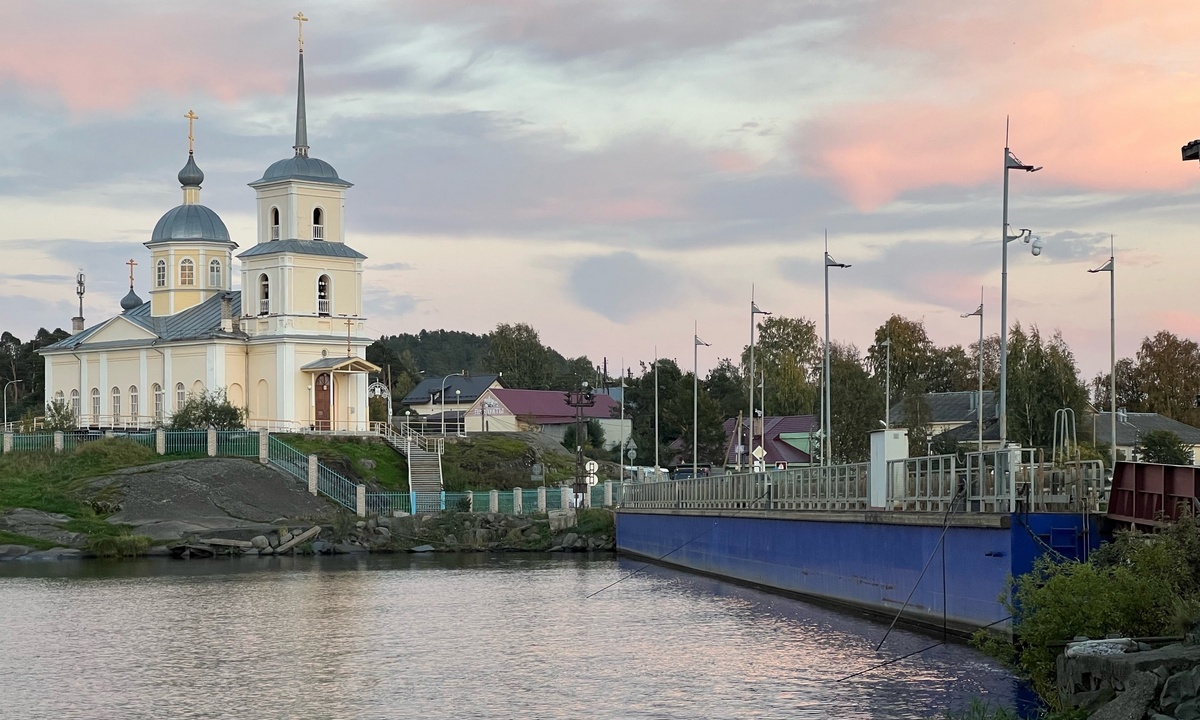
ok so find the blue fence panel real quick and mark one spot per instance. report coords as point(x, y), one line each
point(187, 442)
point(76, 439)
point(145, 439)
point(505, 504)
point(237, 443)
point(23, 442)
point(431, 502)
point(457, 502)
point(554, 498)
point(529, 501)
point(387, 503)
point(597, 495)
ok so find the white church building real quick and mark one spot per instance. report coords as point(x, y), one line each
point(289, 347)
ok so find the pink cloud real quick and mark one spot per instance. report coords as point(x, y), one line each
point(1084, 102)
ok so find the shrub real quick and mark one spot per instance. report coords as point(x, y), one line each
point(60, 416)
point(208, 409)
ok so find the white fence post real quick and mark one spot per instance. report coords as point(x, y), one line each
point(264, 445)
point(517, 497)
point(566, 496)
point(160, 441)
point(470, 501)
point(212, 441)
point(608, 493)
point(58, 441)
point(493, 501)
point(542, 499)
point(312, 474)
point(360, 500)
point(8, 442)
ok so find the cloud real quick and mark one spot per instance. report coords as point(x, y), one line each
point(621, 286)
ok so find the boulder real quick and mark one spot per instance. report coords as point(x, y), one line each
point(348, 549)
point(8, 552)
point(285, 538)
point(41, 525)
point(266, 551)
point(321, 547)
point(58, 553)
point(569, 540)
point(1179, 688)
point(367, 463)
point(580, 544)
point(1133, 703)
point(383, 532)
point(1189, 710)
point(450, 541)
point(260, 541)
point(422, 549)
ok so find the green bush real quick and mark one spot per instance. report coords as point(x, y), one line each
point(206, 409)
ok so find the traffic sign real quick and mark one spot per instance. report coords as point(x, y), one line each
point(591, 466)
point(592, 479)
point(632, 453)
point(759, 453)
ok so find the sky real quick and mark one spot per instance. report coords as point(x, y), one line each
point(616, 173)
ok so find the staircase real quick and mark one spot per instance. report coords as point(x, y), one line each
point(424, 456)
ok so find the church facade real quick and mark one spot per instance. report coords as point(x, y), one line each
point(289, 347)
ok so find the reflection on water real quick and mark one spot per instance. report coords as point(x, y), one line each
point(436, 636)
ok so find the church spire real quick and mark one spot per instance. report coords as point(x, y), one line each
point(301, 145)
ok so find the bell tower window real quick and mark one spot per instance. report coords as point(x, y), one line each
point(214, 274)
point(187, 272)
point(264, 295)
point(318, 224)
point(324, 296)
point(274, 223)
point(160, 273)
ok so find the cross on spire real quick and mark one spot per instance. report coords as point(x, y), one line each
point(132, 263)
point(300, 20)
point(192, 117)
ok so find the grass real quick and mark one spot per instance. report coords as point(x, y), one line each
point(53, 482)
point(7, 538)
point(345, 455)
point(595, 521)
point(498, 462)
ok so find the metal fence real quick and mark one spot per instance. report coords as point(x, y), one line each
point(337, 487)
point(388, 503)
point(837, 487)
point(187, 442)
point(24, 442)
point(237, 443)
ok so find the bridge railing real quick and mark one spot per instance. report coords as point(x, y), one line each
point(836, 487)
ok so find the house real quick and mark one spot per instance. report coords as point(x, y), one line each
point(947, 411)
point(1131, 426)
point(289, 347)
point(461, 392)
point(502, 410)
point(785, 439)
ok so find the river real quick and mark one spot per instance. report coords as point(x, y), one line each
point(449, 636)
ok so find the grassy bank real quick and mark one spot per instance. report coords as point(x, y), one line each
point(366, 460)
point(498, 462)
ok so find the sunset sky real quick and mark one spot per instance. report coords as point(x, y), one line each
point(612, 171)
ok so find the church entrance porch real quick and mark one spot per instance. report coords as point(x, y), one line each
point(335, 404)
point(323, 401)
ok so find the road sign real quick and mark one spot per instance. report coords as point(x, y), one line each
point(759, 453)
point(592, 479)
point(591, 466)
point(780, 465)
point(632, 453)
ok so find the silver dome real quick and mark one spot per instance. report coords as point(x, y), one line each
point(190, 222)
point(301, 168)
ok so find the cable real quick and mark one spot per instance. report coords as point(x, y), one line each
point(915, 652)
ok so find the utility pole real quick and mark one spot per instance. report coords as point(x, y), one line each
point(579, 398)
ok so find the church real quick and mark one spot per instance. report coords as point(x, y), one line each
point(289, 347)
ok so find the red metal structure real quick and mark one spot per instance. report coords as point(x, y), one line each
point(1151, 495)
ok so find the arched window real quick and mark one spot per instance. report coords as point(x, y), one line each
point(187, 272)
point(160, 273)
point(180, 396)
point(264, 295)
point(75, 405)
point(135, 408)
point(324, 296)
point(158, 401)
point(318, 224)
point(59, 397)
point(116, 405)
point(95, 405)
point(214, 274)
point(274, 223)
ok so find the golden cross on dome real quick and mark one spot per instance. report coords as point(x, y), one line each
point(132, 263)
point(191, 118)
point(300, 20)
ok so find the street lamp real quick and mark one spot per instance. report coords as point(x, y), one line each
point(10, 382)
point(695, 398)
point(1110, 268)
point(750, 381)
point(1010, 163)
point(979, 403)
point(461, 373)
point(887, 386)
point(826, 408)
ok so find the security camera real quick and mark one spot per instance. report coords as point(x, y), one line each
point(1036, 247)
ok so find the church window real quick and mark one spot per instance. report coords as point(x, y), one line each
point(95, 405)
point(274, 223)
point(59, 397)
point(116, 405)
point(187, 272)
point(324, 297)
point(158, 401)
point(160, 273)
point(264, 295)
point(180, 396)
point(75, 405)
point(214, 274)
point(318, 224)
point(134, 408)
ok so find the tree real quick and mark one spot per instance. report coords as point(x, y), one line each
point(60, 417)
point(1163, 446)
point(595, 436)
point(1129, 391)
point(725, 385)
point(857, 405)
point(203, 410)
point(1042, 378)
point(518, 353)
point(789, 354)
point(911, 357)
point(1168, 373)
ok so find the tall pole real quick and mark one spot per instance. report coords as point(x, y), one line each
point(887, 386)
point(979, 404)
point(622, 457)
point(656, 412)
point(1110, 267)
point(10, 382)
point(696, 396)
point(750, 381)
point(827, 407)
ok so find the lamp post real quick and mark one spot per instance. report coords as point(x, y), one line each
point(1110, 268)
point(656, 478)
point(460, 424)
point(696, 398)
point(460, 373)
point(887, 386)
point(750, 381)
point(1010, 163)
point(826, 408)
point(10, 382)
point(979, 403)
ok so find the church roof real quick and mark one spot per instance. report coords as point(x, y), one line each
point(190, 222)
point(325, 248)
point(301, 168)
point(199, 322)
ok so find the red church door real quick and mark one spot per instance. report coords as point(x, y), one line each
point(324, 397)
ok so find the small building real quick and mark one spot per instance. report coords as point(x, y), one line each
point(1132, 426)
point(948, 411)
point(546, 411)
point(426, 400)
point(786, 440)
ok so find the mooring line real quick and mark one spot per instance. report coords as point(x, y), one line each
point(915, 652)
